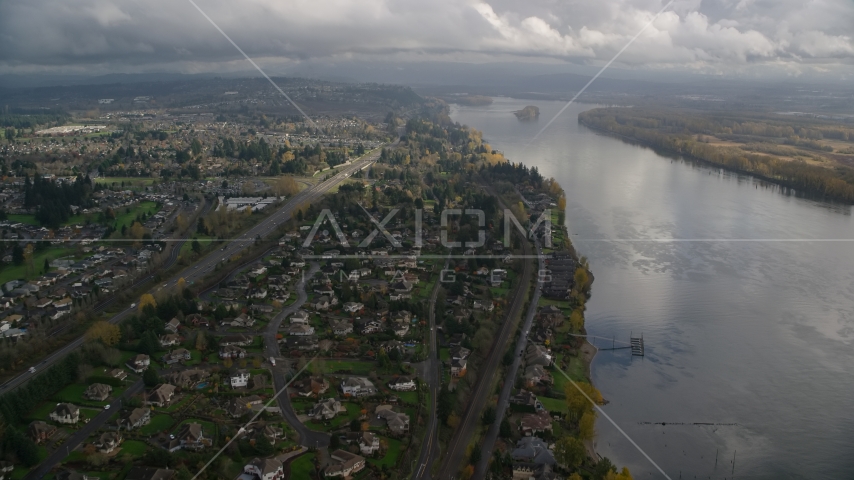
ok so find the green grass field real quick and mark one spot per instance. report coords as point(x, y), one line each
point(133, 181)
point(303, 466)
point(158, 423)
point(357, 367)
point(391, 455)
point(123, 217)
point(554, 404)
point(134, 447)
point(408, 397)
point(14, 272)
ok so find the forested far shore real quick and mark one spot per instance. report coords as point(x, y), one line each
point(810, 156)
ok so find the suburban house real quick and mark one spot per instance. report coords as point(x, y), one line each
point(175, 356)
point(150, 473)
point(108, 442)
point(326, 409)
point(311, 386)
point(300, 330)
point(161, 395)
point(40, 431)
point(532, 424)
point(369, 443)
point(170, 339)
point(324, 302)
point(118, 373)
point(341, 327)
point(239, 378)
point(65, 413)
point(344, 464)
point(191, 437)
point(301, 316)
point(187, 378)
point(458, 367)
point(237, 339)
point(136, 418)
point(230, 351)
point(533, 450)
point(527, 399)
point(265, 469)
point(536, 374)
point(397, 423)
point(139, 363)
point(302, 342)
point(353, 307)
point(358, 387)
point(173, 325)
point(241, 405)
point(402, 384)
point(97, 392)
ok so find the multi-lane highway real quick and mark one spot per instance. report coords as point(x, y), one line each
point(207, 263)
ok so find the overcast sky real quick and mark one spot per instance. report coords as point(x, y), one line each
point(730, 37)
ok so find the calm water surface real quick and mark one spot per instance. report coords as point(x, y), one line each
point(744, 323)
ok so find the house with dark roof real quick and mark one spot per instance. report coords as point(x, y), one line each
point(265, 469)
point(97, 392)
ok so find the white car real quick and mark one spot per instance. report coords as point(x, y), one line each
point(107, 406)
point(32, 369)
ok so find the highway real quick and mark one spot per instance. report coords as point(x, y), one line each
point(207, 263)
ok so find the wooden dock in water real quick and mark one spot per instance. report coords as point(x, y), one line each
point(637, 346)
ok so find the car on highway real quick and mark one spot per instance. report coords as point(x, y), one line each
point(107, 406)
point(132, 305)
point(32, 369)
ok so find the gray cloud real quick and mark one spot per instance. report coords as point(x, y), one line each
point(707, 36)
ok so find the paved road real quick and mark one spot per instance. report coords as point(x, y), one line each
point(206, 264)
point(433, 368)
point(456, 451)
point(488, 442)
point(308, 437)
point(80, 436)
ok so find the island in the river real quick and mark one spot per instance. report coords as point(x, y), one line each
point(528, 113)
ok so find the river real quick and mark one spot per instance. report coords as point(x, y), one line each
point(746, 310)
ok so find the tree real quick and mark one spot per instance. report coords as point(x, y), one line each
point(286, 186)
point(181, 285)
point(488, 416)
point(150, 377)
point(227, 363)
point(576, 320)
point(104, 332)
point(505, 430)
point(196, 246)
point(570, 452)
point(145, 300)
point(587, 425)
point(467, 472)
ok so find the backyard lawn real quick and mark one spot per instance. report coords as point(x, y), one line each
point(303, 466)
point(158, 423)
point(134, 447)
point(391, 455)
point(355, 367)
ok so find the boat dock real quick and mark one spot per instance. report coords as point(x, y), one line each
point(637, 346)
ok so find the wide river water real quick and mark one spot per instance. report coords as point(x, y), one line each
point(745, 302)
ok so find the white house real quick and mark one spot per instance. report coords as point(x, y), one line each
point(265, 469)
point(239, 378)
point(402, 384)
point(65, 413)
